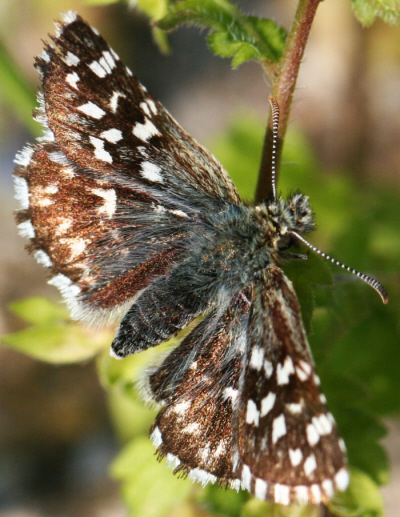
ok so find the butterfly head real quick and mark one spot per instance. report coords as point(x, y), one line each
point(286, 216)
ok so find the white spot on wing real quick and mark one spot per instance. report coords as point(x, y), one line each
point(151, 172)
point(201, 476)
point(99, 151)
point(76, 246)
point(246, 477)
point(69, 17)
point(342, 479)
point(324, 426)
point(301, 494)
point(115, 55)
point(316, 492)
point(63, 225)
point(193, 428)
point(295, 456)
point(23, 157)
point(110, 201)
point(310, 464)
point(231, 393)
point(65, 286)
point(156, 437)
point(260, 489)
point(145, 131)
point(107, 57)
point(21, 192)
point(152, 106)
point(268, 368)
point(50, 189)
point(26, 229)
point(278, 428)
point(252, 415)
point(257, 357)
point(70, 59)
point(312, 434)
point(91, 110)
point(267, 403)
point(143, 105)
point(42, 258)
point(112, 135)
point(72, 79)
point(45, 56)
point(327, 485)
point(114, 101)
point(98, 69)
point(182, 407)
point(283, 371)
point(173, 461)
point(294, 408)
point(281, 494)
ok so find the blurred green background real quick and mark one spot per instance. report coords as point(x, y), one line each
point(59, 429)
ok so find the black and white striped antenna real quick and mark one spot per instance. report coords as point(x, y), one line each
point(275, 126)
point(367, 279)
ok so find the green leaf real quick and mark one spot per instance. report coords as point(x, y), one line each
point(53, 337)
point(366, 11)
point(232, 34)
point(257, 508)
point(304, 275)
point(59, 344)
point(361, 499)
point(39, 311)
point(149, 488)
point(101, 2)
point(16, 93)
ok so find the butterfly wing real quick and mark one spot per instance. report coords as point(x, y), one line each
point(197, 385)
point(110, 194)
point(104, 120)
point(287, 446)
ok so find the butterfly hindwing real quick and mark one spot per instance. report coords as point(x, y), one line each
point(198, 386)
point(288, 448)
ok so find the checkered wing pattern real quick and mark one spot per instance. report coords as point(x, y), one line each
point(133, 218)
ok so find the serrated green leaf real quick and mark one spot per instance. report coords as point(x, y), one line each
point(221, 44)
point(232, 34)
point(366, 11)
point(149, 488)
point(361, 499)
point(39, 311)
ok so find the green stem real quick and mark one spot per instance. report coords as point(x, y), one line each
point(283, 85)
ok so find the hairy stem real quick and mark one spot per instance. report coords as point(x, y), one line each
point(283, 84)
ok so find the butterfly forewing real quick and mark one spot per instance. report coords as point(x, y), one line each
point(103, 120)
point(288, 448)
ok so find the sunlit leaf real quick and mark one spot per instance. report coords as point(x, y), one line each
point(367, 11)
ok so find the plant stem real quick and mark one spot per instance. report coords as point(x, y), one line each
point(283, 85)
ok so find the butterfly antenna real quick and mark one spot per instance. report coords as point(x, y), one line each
point(275, 125)
point(367, 279)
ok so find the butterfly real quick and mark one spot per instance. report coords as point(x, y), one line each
point(136, 220)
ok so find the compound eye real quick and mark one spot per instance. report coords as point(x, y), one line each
point(285, 242)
